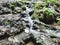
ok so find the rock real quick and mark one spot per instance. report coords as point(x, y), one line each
point(58, 35)
point(30, 43)
point(2, 33)
point(21, 37)
point(6, 10)
point(31, 13)
point(35, 27)
point(30, 5)
point(29, 10)
point(1, 12)
point(17, 8)
point(26, 30)
point(23, 14)
point(18, 28)
point(19, 4)
point(12, 39)
point(23, 7)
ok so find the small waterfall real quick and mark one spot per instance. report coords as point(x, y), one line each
point(28, 18)
point(30, 30)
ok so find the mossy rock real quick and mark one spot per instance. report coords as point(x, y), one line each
point(58, 22)
point(51, 1)
point(52, 36)
point(7, 22)
point(39, 5)
point(19, 11)
point(23, 7)
point(48, 16)
point(14, 4)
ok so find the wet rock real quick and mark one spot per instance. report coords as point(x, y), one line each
point(17, 8)
point(31, 13)
point(19, 4)
point(23, 14)
point(0, 7)
point(6, 10)
point(1, 12)
point(35, 27)
point(36, 22)
point(29, 10)
point(13, 29)
point(6, 4)
point(20, 37)
point(26, 30)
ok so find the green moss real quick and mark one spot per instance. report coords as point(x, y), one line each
point(49, 1)
point(48, 11)
point(49, 15)
point(23, 7)
point(18, 11)
point(58, 22)
point(38, 6)
point(6, 22)
point(14, 4)
point(46, 15)
point(52, 36)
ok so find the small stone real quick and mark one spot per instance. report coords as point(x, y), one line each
point(26, 30)
point(17, 8)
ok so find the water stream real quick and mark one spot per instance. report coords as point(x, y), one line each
point(28, 18)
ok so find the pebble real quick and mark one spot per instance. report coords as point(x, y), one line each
point(26, 30)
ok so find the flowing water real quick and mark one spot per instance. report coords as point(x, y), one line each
point(28, 18)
